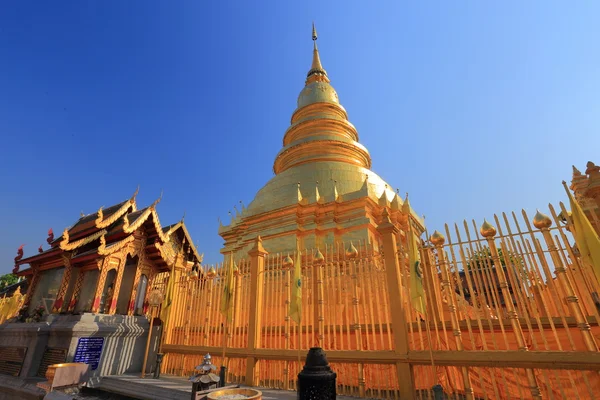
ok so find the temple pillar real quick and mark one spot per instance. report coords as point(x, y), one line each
point(257, 266)
point(35, 279)
point(398, 314)
point(76, 291)
point(103, 265)
point(64, 286)
point(136, 284)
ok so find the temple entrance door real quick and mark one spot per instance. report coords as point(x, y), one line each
point(127, 285)
point(141, 295)
point(108, 292)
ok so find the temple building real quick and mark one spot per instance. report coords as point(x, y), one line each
point(106, 261)
point(323, 191)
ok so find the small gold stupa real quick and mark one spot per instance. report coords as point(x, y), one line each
point(323, 191)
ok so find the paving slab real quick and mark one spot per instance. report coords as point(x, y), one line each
point(173, 388)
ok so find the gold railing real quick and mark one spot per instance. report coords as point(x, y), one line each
point(513, 314)
point(10, 305)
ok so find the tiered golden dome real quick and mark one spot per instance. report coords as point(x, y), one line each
point(320, 145)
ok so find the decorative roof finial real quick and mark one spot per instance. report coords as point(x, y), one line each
point(137, 190)
point(153, 205)
point(316, 73)
point(50, 237)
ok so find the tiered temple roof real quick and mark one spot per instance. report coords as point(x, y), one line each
point(109, 229)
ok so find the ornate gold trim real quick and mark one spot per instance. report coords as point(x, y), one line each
point(113, 247)
point(137, 223)
point(65, 245)
point(103, 223)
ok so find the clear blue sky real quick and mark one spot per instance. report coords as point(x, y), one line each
point(471, 107)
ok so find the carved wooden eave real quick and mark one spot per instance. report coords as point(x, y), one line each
point(129, 227)
point(66, 246)
point(101, 222)
point(149, 212)
point(104, 250)
point(165, 253)
point(51, 252)
point(181, 225)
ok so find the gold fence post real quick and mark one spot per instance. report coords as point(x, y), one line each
point(287, 266)
point(352, 254)
point(489, 232)
point(543, 223)
point(434, 299)
point(438, 241)
point(319, 311)
point(257, 266)
point(399, 328)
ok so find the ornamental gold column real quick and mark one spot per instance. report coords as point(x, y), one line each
point(438, 241)
point(352, 254)
point(319, 311)
point(257, 268)
point(543, 223)
point(489, 232)
point(287, 265)
point(404, 369)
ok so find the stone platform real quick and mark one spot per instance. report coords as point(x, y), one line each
point(30, 347)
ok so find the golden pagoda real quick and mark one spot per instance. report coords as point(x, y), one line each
point(323, 191)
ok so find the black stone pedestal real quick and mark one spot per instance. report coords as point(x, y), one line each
point(316, 381)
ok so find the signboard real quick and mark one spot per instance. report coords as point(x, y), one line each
point(51, 356)
point(11, 360)
point(89, 351)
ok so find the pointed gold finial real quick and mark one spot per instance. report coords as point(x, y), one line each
point(487, 230)
point(437, 238)
point(316, 73)
point(318, 259)
point(211, 272)
point(288, 263)
point(541, 221)
point(351, 252)
point(406, 205)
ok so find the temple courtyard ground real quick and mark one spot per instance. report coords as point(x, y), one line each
point(125, 387)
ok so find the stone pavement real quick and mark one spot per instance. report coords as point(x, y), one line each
point(173, 388)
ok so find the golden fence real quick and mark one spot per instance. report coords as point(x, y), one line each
point(10, 305)
point(511, 313)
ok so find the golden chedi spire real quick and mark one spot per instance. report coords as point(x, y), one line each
point(320, 145)
point(316, 73)
point(320, 130)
